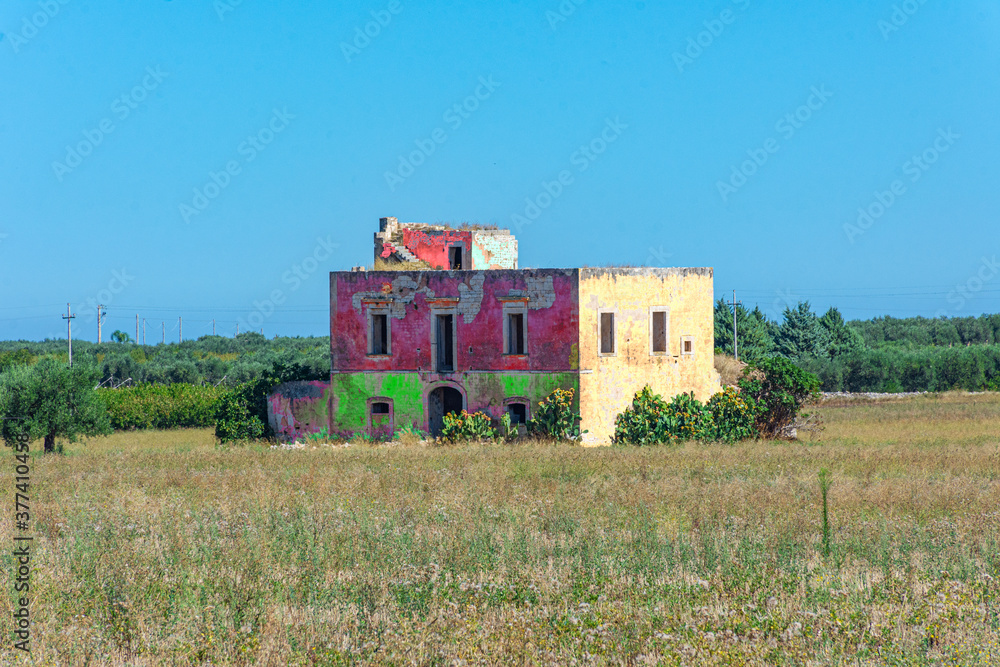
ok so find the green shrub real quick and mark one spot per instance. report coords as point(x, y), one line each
point(734, 419)
point(651, 421)
point(642, 423)
point(162, 406)
point(554, 417)
point(242, 413)
point(775, 390)
point(467, 426)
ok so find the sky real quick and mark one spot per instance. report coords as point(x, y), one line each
point(214, 160)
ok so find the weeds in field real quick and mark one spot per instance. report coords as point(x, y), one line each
point(157, 548)
point(824, 489)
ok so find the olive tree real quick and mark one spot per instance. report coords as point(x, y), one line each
point(49, 401)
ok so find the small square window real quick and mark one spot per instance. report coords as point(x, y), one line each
point(607, 334)
point(380, 417)
point(687, 345)
point(518, 413)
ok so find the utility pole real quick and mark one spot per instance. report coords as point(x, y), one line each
point(734, 303)
point(180, 330)
point(163, 332)
point(144, 332)
point(213, 327)
point(100, 317)
point(237, 328)
point(137, 328)
point(69, 332)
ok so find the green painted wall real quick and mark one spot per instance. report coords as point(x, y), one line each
point(484, 392)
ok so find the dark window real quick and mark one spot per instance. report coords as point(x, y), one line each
point(380, 408)
point(380, 334)
point(455, 257)
point(445, 344)
point(607, 333)
point(518, 413)
point(688, 346)
point(659, 331)
point(515, 333)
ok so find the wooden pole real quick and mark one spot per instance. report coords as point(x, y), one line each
point(69, 332)
point(734, 303)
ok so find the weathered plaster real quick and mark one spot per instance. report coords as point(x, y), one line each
point(607, 383)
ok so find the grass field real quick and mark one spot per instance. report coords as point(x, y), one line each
point(159, 548)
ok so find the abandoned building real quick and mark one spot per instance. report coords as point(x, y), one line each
point(409, 346)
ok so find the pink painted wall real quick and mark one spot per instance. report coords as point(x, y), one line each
point(552, 318)
point(433, 247)
point(296, 409)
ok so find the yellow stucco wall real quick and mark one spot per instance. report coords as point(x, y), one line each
point(607, 383)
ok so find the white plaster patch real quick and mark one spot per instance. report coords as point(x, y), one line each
point(541, 292)
point(403, 290)
point(470, 297)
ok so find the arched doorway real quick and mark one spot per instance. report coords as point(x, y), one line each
point(440, 402)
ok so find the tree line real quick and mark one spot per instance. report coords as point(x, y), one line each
point(884, 354)
point(215, 360)
point(880, 354)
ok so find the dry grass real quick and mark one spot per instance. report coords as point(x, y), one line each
point(729, 369)
point(159, 548)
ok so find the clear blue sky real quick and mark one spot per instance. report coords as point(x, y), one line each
point(833, 99)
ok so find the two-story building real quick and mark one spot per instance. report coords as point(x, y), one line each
point(407, 347)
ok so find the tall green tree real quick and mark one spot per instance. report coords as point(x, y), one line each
point(49, 400)
point(841, 338)
point(800, 334)
point(752, 328)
